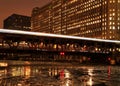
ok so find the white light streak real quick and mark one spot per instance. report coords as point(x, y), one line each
point(17, 32)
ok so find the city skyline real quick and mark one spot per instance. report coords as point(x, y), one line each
point(22, 7)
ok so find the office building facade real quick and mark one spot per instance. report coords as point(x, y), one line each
point(85, 18)
point(41, 19)
point(17, 22)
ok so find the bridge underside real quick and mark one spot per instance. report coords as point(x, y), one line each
point(46, 56)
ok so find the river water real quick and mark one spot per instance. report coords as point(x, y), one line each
point(57, 74)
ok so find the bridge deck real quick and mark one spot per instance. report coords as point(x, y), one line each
point(37, 35)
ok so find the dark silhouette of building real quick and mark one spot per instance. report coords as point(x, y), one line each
point(17, 22)
point(86, 18)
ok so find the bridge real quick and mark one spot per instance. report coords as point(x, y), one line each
point(27, 45)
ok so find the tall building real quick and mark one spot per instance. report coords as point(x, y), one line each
point(85, 18)
point(41, 19)
point(17, 22)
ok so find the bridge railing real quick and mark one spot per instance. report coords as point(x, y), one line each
point(57, 47)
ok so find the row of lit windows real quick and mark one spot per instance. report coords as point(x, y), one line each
point(90, 31)
point(90, 1)
point(72, 26)
point(111, 18)
point(83, 23)
point(87, 9)
point(87, 22)
point(87, 18)
point(112, 32)
point(71, 2)
point(113, 27)
point(110, 37)
point(112, 23)
point(111, 10)
point(113, 1)
point(104, 2)
point(91, 6)
point(112, 14)
point(87, 6)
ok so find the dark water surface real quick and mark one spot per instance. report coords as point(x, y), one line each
point(57, 74)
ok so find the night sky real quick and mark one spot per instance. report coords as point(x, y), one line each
point(22, 7)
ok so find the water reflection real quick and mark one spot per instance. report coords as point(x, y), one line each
point(59, 75)
point(90, 73)
point(90, 82)
point(3, 73)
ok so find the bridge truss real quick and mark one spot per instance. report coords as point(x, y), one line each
point(33, 44)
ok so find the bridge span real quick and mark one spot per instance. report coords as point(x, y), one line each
point(26, 43)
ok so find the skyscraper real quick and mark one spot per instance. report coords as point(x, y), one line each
point(85, 18)
point(41, 19)
point(17, 22)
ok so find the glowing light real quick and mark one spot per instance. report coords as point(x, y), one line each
point(96, 49)
point(90, 72)
point(17, 32)
point(68, 83)
point(109, 59)
point(62, 53)
point(3, 64)
point(67, 75)
point(27, 71)
point(90, 82)
point(19, 84)
point(55, 46)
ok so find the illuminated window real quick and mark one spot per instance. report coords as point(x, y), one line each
point(118, 27)
point(118, 14)
point(113, 27)
point(113, 14)
point(110, 18)
point(110, 27)
point(113, 23)
point(110, 37)
point(110, 23)
point(118, 18)
point(118, 1)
